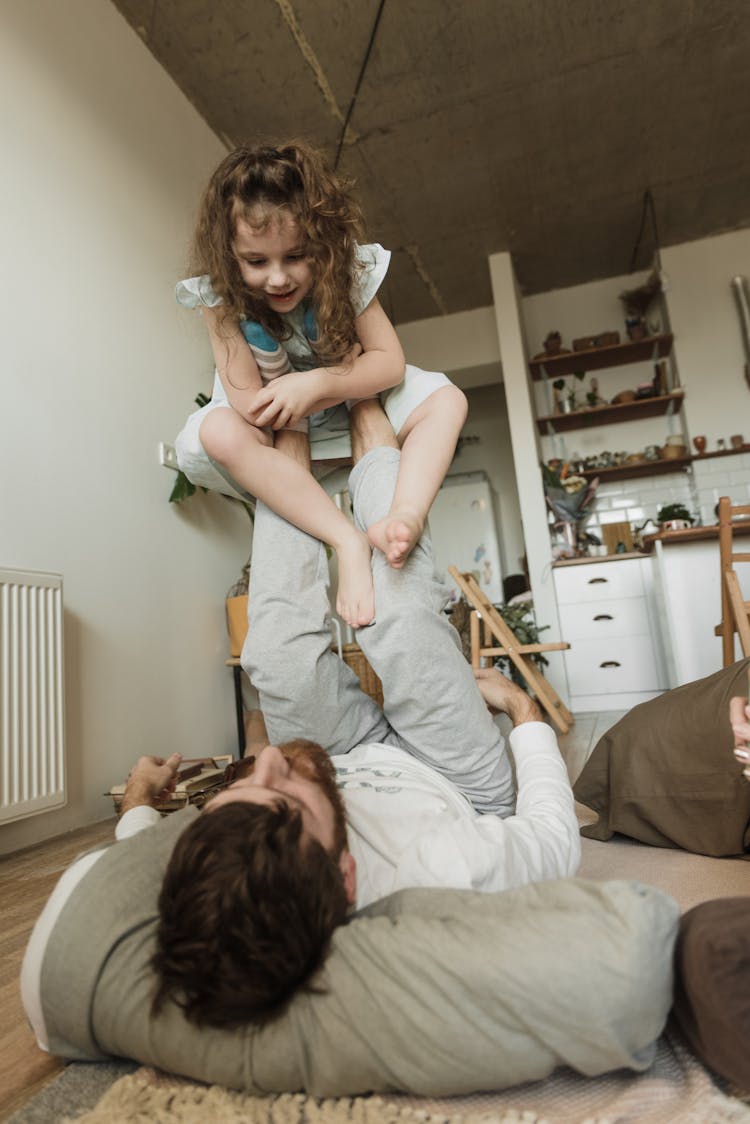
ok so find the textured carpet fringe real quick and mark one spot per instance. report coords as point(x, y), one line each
point(150, 1097)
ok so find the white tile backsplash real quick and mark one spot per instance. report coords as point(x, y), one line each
point(640, 499)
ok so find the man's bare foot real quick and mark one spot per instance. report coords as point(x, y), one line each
point(355, 601)
point(396, 536)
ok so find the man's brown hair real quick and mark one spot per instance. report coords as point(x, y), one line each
point(247, 909)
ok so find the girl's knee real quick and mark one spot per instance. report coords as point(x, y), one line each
point(223, 434)
point(454, 402)
point(446, 406)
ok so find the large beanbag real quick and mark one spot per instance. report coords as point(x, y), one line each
point(665, 774)
point(427, 991)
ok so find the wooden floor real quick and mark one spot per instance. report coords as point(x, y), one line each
point(577, 744)
point(26, 881)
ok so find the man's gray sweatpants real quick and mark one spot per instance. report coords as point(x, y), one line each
point(432, 706)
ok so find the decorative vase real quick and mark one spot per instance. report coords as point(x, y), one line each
point(700, 444)
point(569, 533)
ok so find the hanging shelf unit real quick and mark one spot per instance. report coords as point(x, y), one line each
point(599, 358)
point(608, 415)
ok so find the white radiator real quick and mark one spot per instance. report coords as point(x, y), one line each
point(32, 731)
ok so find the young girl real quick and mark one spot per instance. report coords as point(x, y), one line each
point(283, 279)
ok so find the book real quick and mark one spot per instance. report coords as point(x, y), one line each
point(197, 779)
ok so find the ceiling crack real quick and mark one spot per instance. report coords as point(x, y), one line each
point(413, 252)
point(312, 61)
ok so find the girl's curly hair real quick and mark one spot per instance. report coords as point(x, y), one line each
point(294, 177)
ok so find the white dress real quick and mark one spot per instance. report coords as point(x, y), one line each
point(329, 430)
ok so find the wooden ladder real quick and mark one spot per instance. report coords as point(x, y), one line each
point(485, 613)
point(735, 612)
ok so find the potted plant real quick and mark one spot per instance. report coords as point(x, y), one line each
point(569, 402)
point(674, 517)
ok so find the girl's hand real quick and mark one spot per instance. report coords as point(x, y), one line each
point(286, 399)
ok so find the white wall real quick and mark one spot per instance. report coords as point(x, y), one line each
point(492, 453)
point(707, 332)
point(103, 162)
point(465, 345)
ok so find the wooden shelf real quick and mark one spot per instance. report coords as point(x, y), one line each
point(609, 415)
point(642, 468)
point(721, 453)
point(599, 358)
point(656, 468)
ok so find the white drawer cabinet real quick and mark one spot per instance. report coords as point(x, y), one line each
point(607, 616)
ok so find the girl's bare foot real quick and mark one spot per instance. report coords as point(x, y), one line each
point(396, 536)
point(355, 601)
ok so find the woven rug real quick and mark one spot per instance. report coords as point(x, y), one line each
point(675, 1090)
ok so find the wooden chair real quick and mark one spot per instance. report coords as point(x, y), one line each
point(735, 612)
point(485, 614)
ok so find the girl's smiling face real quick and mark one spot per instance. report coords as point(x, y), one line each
point(272, 259)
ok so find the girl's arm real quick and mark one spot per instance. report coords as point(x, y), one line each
point(380, 366)
point(234, 361)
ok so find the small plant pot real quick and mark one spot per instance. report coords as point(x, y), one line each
point(674, 525)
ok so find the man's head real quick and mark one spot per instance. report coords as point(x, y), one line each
point(254, 889)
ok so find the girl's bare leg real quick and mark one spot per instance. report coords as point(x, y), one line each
point(285, 485)
point(428, 441)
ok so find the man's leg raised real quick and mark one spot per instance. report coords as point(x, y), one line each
point(431, 698)
point(305, 690)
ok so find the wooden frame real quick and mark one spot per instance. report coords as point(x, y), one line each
point(485, 614)
point(735, 612)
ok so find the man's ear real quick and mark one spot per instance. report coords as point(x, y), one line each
point(348, 868)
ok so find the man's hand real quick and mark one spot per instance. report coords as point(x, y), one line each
point(150, 779)
point(287, 399)
point(506, 697)
point(739, 718)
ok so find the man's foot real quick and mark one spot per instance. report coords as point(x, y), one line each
point(355, 601)
point(396, 536)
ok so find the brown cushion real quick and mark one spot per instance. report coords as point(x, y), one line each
point(666, 775)
point(712, 985)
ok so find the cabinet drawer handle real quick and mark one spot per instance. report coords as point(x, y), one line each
point(598, 581)
point(610, 663)
point(603, 617)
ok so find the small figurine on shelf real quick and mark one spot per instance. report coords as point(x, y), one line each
point(552, 346)
point(636, 328)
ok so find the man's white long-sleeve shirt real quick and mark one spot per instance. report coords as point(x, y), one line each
point(409, 826)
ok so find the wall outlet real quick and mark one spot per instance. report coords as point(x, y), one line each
point(168, 456)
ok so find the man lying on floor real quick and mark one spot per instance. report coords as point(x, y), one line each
point(430, 991)
point(419, 794)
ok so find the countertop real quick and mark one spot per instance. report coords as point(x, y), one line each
point(692, 534)
point(668, 538)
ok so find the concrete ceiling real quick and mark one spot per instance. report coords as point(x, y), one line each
point(533, 126)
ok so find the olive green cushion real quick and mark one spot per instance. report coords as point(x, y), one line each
point(665, 774)
point(427, 991)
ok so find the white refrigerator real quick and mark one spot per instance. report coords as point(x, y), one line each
point(464, 532)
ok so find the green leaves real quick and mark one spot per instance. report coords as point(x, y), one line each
point(520, 620)
point(182, 489)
